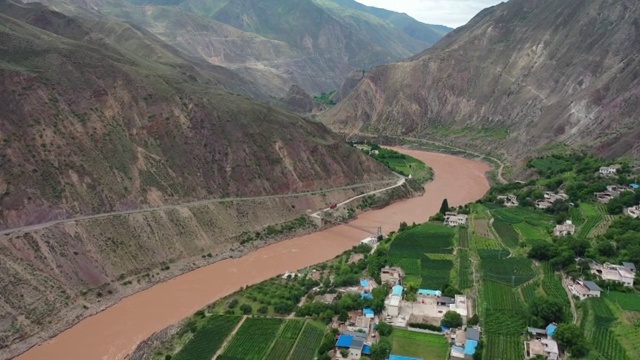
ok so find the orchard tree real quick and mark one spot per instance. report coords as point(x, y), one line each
point(544, 311)
point(444, 207)
point(451, 319)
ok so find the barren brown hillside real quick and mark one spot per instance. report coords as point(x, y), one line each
point(519, 76)
point(105, 117)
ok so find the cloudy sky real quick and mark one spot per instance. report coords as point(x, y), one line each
point(452, 13)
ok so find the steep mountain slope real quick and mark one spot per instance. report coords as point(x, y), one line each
point(519, 76)
point(106, 117)
point(427, 33)
point(89, 127)
point(275, 44)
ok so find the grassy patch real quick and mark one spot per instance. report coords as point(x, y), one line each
point(421, 345)
point(626, 301)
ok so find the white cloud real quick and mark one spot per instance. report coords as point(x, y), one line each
point(452, 13)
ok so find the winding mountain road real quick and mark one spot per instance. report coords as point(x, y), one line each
point(33, 227)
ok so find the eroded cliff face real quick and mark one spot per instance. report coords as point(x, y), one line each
point(519, 76)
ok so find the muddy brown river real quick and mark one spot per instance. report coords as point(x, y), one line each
point(115, 332)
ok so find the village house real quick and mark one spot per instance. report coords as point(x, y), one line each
point(624, 274)
point(509, 200)
point(609, 170)
point(543, 204)
point(392, 303)
point(541, 343)
point(550, 198)
point(564, 229)
point(454, 219)
point(472, 338)
point(613, 191)
point(391, 275)
point(604, 197)
point(633, 211)
point(355, 343)
point(585, 289)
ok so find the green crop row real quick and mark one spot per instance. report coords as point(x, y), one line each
point(308, 343)
point(253, 339)
point(503, 347)
point(511, 271)
point(507, 233)
point(424, 239)
point(208, 338)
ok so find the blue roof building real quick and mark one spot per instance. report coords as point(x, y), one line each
point(366, 349)
point(429, 292)
point(551, 329)
point(364, 283)
point(368, 312)
point(344, 341)
point(365, 295)
point(397, 290)
point(634, 186)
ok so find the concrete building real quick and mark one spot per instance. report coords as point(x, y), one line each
point(609, 170)
point(541, 343)
point(355, 343)
point(371, 241)
point(624, 274)
point(460, 305)
point(543, 204)
point(633, 211)
point(585, 289)
point(391, 275)
point(454, 219)
point(564, 229)
point(510, 200)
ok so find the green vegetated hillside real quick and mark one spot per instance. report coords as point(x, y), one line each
point(101, 116)
point(276, 44)
point(520, 75)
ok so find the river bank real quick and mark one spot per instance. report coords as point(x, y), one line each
point(114, 333)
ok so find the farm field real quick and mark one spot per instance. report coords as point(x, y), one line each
point(425, 252)
point(627, 331)
point(626, 301)
point(552, 287)
point(253, 339)
point(481, 228)
point(507, 233)
point(519, 215)
point(308, 342)
point(208, 338)
point(416, 344)
point(598, 322)
point(479, 243)
point(465, 280)
point(510, 271)
point(592, 216)
point(503, 347)
point(404, 164)
point(531, 233)
point(285, 341)
point(463, 237)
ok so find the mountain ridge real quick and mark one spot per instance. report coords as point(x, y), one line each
point(315, 48)
point(509, 81)
point(102, 117)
